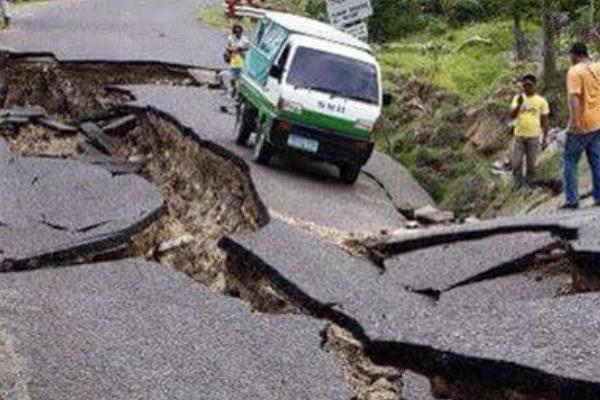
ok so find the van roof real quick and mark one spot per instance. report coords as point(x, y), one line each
point(317, 29)
point(328, 46)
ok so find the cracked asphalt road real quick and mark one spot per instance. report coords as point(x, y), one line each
point(305, 191)
point(117, 30)
point(523, 332)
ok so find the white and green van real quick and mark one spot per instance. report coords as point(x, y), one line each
point(311, 89)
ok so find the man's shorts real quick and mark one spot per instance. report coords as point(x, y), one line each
point(235, 73)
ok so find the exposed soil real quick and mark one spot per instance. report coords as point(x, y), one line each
point(32, 140)
point(208, 191)
point(78, 91)
point(207, 197)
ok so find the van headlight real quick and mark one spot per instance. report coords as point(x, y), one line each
point(290, 106)
point(364, 125)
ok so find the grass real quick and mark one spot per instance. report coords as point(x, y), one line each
point(433, 146)
point(215, 16)
point(469, 72)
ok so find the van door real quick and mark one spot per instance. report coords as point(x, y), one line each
point(276, 75)
point(264, 50)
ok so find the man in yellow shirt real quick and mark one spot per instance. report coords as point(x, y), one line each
point(583, 86)
point(530, 112)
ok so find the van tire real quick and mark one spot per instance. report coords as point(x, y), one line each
point(246, 125)
point(262, 150)
point(349, 173)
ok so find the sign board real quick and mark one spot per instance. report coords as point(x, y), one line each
point(344, 12)
point(359, 31)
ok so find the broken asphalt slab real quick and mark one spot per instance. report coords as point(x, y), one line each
point(493, 293)
point(305, 191)
point(440, 268)
point(55, 208)
point(107, 31)
point(565, 225)
point(132, 329)
point(547, 348)
point(325, 281)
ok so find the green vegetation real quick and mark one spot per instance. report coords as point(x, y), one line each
point(215, 16)
point(448, 85)
point(466, 61)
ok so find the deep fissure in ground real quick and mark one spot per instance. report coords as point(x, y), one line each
point(208, 192)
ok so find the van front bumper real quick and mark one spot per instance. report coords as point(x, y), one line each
point(333, 148)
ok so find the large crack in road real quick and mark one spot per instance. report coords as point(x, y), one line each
point(128, 160)
point(207, 190)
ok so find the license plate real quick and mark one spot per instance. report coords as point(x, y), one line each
point(302, 143)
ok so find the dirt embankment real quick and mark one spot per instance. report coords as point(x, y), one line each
point(451, 148)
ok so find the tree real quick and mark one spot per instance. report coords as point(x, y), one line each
point(553, 20)
point(520, 44)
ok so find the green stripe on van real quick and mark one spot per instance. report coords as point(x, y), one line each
point(310, 118)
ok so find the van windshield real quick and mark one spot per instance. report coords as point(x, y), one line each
point(334, 74)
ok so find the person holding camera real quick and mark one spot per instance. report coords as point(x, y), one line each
point(530, 113)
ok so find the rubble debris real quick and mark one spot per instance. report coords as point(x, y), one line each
point(60, 128)
point(169, 245)
point(205, 77)
point(120, 126)
point(14, 120)
point(564, 226)
point(368, 380)
point(99, 139)
point(431, 215)
point(29, 113)
point(92, 331)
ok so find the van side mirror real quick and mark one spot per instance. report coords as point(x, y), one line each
point(388, 99)
point(276, 72)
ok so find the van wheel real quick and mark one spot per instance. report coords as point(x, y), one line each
point(262, 150)
point(246, 124)
point(349, 173)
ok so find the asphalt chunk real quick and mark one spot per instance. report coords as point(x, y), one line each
point(546, 348)
point(441, 268)
point(132, 329)
point(561, 224)
point(41, 194)
point(327, 282)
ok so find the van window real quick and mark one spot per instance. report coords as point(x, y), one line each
point(334, 74)
point(272, 40)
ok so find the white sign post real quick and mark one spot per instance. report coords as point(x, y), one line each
point(346, 12)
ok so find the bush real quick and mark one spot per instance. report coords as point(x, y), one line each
point(464, 11)
point(395, 18)
point(435, 25)
point(316, 9)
